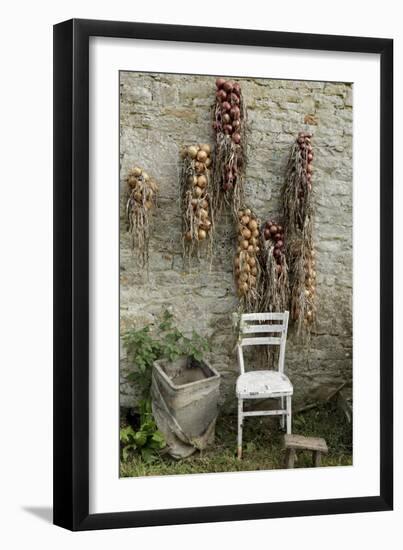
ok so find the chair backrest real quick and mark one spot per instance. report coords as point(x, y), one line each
point(267, 329)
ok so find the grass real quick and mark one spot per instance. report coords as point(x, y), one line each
point(262, 446)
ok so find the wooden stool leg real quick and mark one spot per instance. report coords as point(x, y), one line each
point(289, 458)
point(317, 455)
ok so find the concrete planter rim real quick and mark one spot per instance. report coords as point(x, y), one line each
point(158, 366)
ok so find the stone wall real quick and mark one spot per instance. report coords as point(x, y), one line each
point(158, 114)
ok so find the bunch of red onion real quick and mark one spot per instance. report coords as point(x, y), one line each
point(306, 151)
point(228, 126)
point(275, 233)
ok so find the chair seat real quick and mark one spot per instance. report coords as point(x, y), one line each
point(263, 383)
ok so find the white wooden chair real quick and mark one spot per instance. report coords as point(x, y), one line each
point(256, 329)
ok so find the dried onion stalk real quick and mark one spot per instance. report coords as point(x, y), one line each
point(141, 200)
point(299, 212)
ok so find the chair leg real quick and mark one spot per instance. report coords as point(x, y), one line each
point(282, 417)
point(240, 423)
point(288, 408)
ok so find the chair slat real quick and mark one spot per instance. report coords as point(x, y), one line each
point(262, 316)
point(261, 341)
point(249, 328)
point(264, 413)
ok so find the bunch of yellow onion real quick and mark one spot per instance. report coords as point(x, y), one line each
point(246, 263)
point(197, 215)
point(141, 199)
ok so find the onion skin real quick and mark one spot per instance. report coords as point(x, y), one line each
point(206, 148)
point(243, 288)
point(234, 99)
point(136, 171)
point(221, 95)
point(236, 138)
point(201, 156)
point(220, 82)
point(202, 181)
point(226, 106)
point(235, 113)
point(192, 151)
point(200, 167)
point(228, 86)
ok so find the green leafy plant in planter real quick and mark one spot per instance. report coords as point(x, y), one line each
point(143, 348)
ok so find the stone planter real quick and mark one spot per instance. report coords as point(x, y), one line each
point(185, 397)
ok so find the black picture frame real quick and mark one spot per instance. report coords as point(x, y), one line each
point(71, 274)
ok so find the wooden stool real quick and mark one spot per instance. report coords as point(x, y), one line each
point(293, 443)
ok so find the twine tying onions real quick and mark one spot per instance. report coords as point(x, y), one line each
point(197, 218)
point(298, 213)
point(141, 200)
point(229, 125)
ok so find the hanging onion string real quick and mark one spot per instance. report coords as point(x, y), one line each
point(141, 200)
point(197, 215)
point(230, 128)
point(275, 288)
point(246, 263)
point(298, 212)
